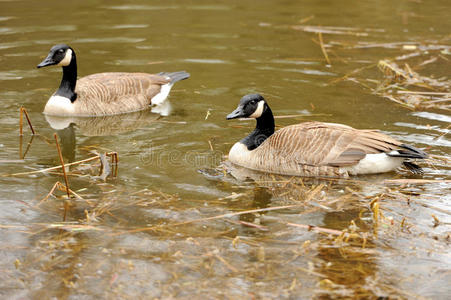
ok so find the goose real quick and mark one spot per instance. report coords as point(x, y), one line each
point(315, 148)
point(103, 94)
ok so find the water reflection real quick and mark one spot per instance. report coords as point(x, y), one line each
point(68, 127)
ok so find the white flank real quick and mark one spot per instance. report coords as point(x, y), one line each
point(59, 106)
point(375, 163)
point(162, 95)
point(258, 112)
point(67, 58)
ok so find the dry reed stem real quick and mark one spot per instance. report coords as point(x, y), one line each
point(20, 146)
point(317, 229)
point(66, 204)
point(21, 121)
point(226, 263)
point(61, 187)
point(24, 111)
point(28, 146)
point(305, 20)
point(49, 193)
point(353, 72)
point(58, 167)
point(323, 49)
point(114, 162)
point(249, 224)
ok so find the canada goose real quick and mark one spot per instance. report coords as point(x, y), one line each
point(104, 94)
point(315, 148)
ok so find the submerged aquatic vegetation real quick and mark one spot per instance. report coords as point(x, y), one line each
point(187, 249)
point(398, 84)
point(404, 79)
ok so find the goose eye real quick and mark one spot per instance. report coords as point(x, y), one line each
point(61, 51)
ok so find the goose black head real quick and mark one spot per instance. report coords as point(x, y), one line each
point(59, 55)
point(251, 106)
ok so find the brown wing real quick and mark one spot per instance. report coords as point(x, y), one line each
point(111, 93)
point(325, 144)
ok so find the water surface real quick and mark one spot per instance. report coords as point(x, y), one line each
point(129, 241)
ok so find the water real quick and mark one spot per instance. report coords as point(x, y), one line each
point(166, 174)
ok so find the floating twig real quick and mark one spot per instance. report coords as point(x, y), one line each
point(67, 165)
point(226, 263)
point(61, 187)
point(305, 20)
point(316, 228)
point(323, 49)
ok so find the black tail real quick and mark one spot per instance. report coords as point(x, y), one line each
point(408, 151)
point(176, 76)
point(414, 168)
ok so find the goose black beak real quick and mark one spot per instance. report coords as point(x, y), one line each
point(48, 61)
point(237, 113)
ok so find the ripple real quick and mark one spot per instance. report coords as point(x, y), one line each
point(432, 116)
point(422, 127)
point(215, 92)
point(149, 47)
point(14, 44)
point(6, 18)
point(294, 62)
point(141, 7)
point(129, 26)
point(303, 71)
point(130, 62)
point(18, 74)
point(200, 189)
point(207, 61)
point(215, 35)
point(208, 7)
point(110, 40)
point(9, 30)
point(424, 139)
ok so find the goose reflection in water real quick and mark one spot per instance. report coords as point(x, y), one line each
point(68, 127)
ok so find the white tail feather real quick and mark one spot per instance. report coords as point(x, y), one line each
point(162, 95)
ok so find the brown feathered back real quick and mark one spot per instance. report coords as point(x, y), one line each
point(114, 93)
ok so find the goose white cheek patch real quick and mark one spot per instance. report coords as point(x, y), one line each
point(66, 60)
point(258, 112)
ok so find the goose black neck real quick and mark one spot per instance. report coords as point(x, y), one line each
point(67, 86)
point(263, 130)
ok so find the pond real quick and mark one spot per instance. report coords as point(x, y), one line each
point(175, 221)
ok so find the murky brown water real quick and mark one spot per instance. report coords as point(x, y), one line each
point(140, 234)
